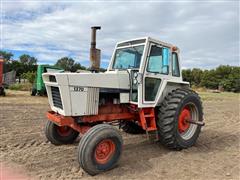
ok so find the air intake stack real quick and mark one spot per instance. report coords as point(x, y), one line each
point(95, 54)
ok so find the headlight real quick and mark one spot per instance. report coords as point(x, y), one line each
point(135, 81)
point(135, 75)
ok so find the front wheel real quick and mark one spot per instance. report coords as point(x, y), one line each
point(100, 149)
point(179, 108)
point(60, 134)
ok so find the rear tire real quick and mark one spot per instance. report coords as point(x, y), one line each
point(179, 106)
point(60, 134)
point(131, 127)
point(2, 91)
point(100, 149)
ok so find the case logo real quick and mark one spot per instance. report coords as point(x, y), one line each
point(77, 89)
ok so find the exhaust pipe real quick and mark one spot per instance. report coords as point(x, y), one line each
point(95, 54)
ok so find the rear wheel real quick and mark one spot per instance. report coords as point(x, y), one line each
point(178, 108)
point(131, 127)
point(2, 91)
point(60, 134)
point(100, 149)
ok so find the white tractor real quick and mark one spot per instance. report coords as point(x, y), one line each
point(142, 91)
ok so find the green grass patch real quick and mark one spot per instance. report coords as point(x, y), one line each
point(21, 87)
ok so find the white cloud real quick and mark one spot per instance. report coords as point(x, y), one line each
point(207, 33)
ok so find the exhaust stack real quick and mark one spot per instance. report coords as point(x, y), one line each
point(95, 54)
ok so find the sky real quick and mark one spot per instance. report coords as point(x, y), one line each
point(207, 32)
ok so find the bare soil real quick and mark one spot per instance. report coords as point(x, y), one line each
point(25, 150)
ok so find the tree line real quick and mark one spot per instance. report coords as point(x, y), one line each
point(224, 76)
point(26, 66)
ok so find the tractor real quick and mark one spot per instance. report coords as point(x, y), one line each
point(142, 91)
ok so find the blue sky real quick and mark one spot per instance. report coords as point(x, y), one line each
point(207, 32)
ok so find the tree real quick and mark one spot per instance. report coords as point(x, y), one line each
point(30, 76)
point(6, 55)
point(68, 64)
point(102, 69)
point(187, 75)
point(208, 79)
point(196, 75)
point(65, 63)
point(28, 60)
point(77, 66)
point(229, 77)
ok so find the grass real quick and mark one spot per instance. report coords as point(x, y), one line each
point(21, 86)
point(218, 96)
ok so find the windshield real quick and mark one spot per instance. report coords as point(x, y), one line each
point(128, 58)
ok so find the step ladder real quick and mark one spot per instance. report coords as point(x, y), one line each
point(147, 119)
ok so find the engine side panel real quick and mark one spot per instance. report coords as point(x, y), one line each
point(84, 101)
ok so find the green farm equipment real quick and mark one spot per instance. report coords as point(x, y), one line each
point(38, 85)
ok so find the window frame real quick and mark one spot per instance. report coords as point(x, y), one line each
point(149, 77)
point(148, 57)
point(179, 74)
point(130, 46)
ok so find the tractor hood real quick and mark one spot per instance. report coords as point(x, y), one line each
point(77, 94)
point(109, 79)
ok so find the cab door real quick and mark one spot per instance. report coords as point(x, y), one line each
point(156, 70)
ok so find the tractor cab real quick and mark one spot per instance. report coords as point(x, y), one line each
point(151, 64)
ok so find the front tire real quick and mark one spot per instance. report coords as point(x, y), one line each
point(58, 135)
point(178, 107)
point(100, 149)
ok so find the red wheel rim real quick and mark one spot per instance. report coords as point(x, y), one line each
point(104, 151)
point(184, 116)
point(64, 130)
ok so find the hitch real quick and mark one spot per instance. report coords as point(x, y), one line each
point(199, 123)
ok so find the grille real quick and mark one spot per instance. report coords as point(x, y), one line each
point(52, 78)
point(56, 97)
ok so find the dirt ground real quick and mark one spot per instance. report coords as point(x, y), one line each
point(25, 151)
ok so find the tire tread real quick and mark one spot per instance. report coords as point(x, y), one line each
point(166, 117)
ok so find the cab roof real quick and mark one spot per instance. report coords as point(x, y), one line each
point(143, 40)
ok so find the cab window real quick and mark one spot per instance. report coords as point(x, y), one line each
point(128, 58)
point(158, 60)
point(175, 65)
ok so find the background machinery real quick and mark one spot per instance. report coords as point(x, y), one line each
point(38, 85)
point(142, 91)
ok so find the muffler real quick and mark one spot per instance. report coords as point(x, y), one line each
point(95, 54)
